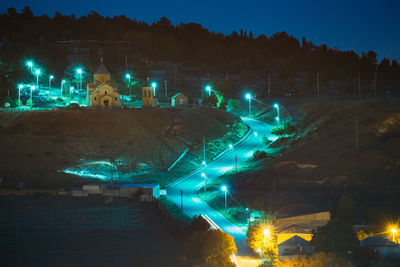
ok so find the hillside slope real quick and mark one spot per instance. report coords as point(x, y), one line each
point(323, 161)
point(139, 143)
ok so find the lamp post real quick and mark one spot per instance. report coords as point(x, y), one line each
point(37, 78)
point(225, 190)
point(205, 182)
point(394, 231)
point(277, 120)
point(19, 94)
point(128, 76)
point(51, 77)
point(79, 71)
point(70, 92)
point(30, 65)
point(277, 112)
point(154, 85)
point(32, 88)
point(248, 96)
point(208, 88)
point(233, 155)
point(61, 87)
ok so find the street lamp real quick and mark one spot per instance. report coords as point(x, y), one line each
point(79, 71)
point(32, 88)
point(51, 77)
point(233, 155)
point(37, 77)
point(205, 182)
point(208, 88)
point(248, 96)
point(154, 85)
point(277, 111)
point(70, 91)
point(223, 188)
point(19, 94)
point(394, 231)
point(30, 65)
point(277, 120)
point(128, 76)
point(61, 87)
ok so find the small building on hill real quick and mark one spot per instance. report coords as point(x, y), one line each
point(148, 97)
point(294, 247)
point(385, 247)
point(102, 93)
point(179, 100)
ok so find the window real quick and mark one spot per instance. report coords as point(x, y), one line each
point(94, 99)
point(116, 99)
point(105, 92)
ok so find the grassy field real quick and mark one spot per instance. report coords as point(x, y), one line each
point(65, 231)
point(133, 145)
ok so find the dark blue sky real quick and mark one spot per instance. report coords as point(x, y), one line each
point(359, 25)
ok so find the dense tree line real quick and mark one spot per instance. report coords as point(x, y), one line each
point(23, 35)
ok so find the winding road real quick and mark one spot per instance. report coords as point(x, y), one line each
point(193, 182)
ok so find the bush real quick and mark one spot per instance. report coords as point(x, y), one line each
point(259, 154)
point(288, 129)
point(233, 105)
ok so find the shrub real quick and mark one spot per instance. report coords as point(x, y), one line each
point(259, 154)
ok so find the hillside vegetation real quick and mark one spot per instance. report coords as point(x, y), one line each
point(136, 145)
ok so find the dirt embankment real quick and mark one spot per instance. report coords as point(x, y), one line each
point(140, 143)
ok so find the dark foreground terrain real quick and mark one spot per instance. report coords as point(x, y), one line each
point(65, 231)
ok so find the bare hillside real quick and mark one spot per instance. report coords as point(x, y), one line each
point(136, 145)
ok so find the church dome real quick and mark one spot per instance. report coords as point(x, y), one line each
point(101, 69)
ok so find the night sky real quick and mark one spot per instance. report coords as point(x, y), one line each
point(359, 25)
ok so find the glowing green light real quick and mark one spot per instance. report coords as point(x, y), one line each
point(223, 188)
point(128, 76)
point(51, 77)
point(248, 96)
point(37, 72)
point(29, 63)
point(154, 85)
point(79, 71)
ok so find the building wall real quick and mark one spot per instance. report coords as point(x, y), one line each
point(148, 96)
point(102, 77)
point(105, 92)
point(283, 237)
point(314, 219)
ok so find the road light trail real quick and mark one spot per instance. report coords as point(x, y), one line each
point(193, 182)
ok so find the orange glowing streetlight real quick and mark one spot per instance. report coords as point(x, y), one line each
point(394, 231)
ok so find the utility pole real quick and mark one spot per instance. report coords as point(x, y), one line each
point(269, 85)
point(236, 164)
point(204, 149)
point(359, 85)
point(317, 84)
point(181, 202)
point(126, 62)
point(375, 80)
point(357, 134)
point(165, 87)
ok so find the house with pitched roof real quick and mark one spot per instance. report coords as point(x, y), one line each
point(102, 93)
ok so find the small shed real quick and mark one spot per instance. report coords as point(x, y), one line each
point(179, 100)
point(146, 191)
